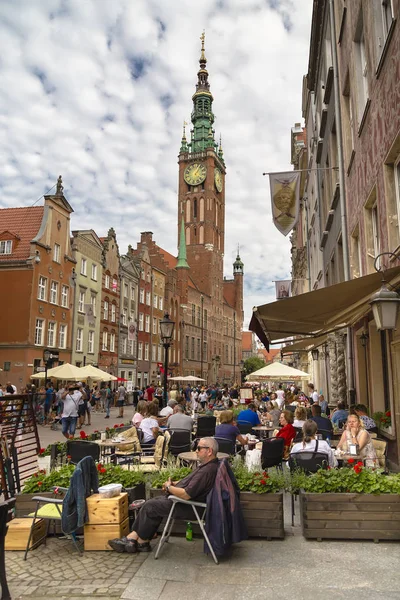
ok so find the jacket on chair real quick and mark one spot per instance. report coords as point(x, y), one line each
point(224, 521)
point(74, 510)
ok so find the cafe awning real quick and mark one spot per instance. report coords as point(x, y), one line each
point(318, 312)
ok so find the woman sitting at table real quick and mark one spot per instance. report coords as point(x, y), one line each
point(228, 430)
point(288, 432)
point(140, 414)
point(273, 413)
point(309, 443)
point(355, 433)
point(300, 416)
point(149, 425)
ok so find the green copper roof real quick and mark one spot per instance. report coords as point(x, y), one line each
point(182, 262)
point(238, 264)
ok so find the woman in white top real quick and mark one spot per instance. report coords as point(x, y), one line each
point(140, 414)
point(149, 425)
point(300, 416)
point(309, 442)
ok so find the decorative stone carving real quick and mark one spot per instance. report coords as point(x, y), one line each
point(50, 269)
point(341, 366)
point(63, 316)
point(333, 369)
point(53, 312)
point(61, 275)
point(41, 309)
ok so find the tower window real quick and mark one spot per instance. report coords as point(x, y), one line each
point(195, 208)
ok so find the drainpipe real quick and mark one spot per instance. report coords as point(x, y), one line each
point(342, 198)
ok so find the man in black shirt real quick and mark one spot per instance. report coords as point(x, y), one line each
point(193, 487)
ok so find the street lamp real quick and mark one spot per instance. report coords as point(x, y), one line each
point(315, 353)
point(167, 331)
point(364, 337)
point(46, 358)
point(385, 303)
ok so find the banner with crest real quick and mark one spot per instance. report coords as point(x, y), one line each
point(285, 200)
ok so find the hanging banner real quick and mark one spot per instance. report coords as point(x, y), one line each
point(90, 318)
point(132, 331)
point(285, 200)
point(283, 289)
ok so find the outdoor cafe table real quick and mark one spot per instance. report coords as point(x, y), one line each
point(263, 430)
point(112, 444)
point(193, 457)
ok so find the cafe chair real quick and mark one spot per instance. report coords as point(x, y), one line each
point(78, 449)
point(225, 445)
point(149, 463)
point(308, 462)
point(126, 454)
point(325, 433)
point(299, 435)
point(205, 426)
point(181, 440)
point(245, 427)
point(272, 452)
point(381, 452)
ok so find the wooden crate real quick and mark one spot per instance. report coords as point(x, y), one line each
point(96, 536)
point(104, 511)
point(18, 533)
point(263, 514)
point(350, 516)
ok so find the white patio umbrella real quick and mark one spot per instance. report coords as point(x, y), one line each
point(279, 372)
point(192, 378)
point(66, 371)
point(96, 374)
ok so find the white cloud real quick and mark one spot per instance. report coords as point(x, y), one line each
point(98, 91)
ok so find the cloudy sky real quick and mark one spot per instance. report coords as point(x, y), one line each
point(97, 90)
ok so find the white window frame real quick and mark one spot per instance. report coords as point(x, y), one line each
point(115, 285)
point(113, 313)
point(93, 302)
point(51, 334)
point(141, 296)
point(6, 247)
point(54, 292)
point(39, 332)
point(155, 330)
point(130, 347)
point(104, 340)
point(375, 230)
point(79, 340)
point(140, 351)
point(141, 321)
point(124, 345)
point(83, 266)
point(146, 351)
point(112, 342)
point(42, 288)
point(81, 302)
point(126, 290)
point(124, 316)
point(107, 282)
point(105, 310)
point(64, 296)
point(160, 348)
point(94, 272)
point(155, 301)
point(154, 352)
point(57, 253)
point(90, 343)
point(62, 336)
point(148, 298)
point(147, 324)
point(160, 302)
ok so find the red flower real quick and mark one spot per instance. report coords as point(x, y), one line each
point(351, 461)
point(96, 431)
point(36, 474)
point(42, 451)
point(116, 426)
point(102, 470)
point(256, 474)
point(83, 435)
point(43, 471)
point(388, 413)
point(99, 466)
point(358, 468)
point(263, 482)
point(40, 483)
point(121, 425)
point(265, 473)
point(107, 429)
point(69, 457)
point(360, 462)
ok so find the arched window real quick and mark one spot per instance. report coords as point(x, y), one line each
point(187, 236)
point(216, 215)
point(201, 209)
point(195, 208)
point(201, 235)
point(187, 211)
point(195, 235)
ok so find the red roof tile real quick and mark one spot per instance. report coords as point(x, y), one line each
point(24, 223)
point(169, 259)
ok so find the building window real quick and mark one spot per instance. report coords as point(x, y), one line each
point(141, 295)
point(130, 345)
point(57, 253)
point(6, 247)
point(205, 319)
point(375, 230)
point(193, 314)
point(133, 293)
point(81, 302)
point(39, 332)
point(54, 292)
point(93, 303)
point(51, 334)
point(192, 349)
point(114, 285)
point(153, 352)
point(124, 345)
point(62, 336)
point(107, 282)
point(104, 340)
point(160, 353)
point(113, 313)
point(94, 272)
point(146, 351)
point(160, 302)
point(155, 300)
point(198, 350)
point(148, 299)
point(199, 316)
point(397, 187)
point(105, 310)
point(140, 351)
point(64, 296)
point(141, 321)
point(90, 342)
point(147, 324)
point(205, 352)
point(83, 266)
point(361, 70)
point(154, 325)
point(42, 288)
point(383, 18)
point(124, 316)
point(187, 347)
point(112, 342)
point(79, 339)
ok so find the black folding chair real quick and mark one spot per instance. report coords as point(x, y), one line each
point(245, 427)
point(272, 452)
point(308, 461)
point(299, 435)
point(206, 426)
point(78, 449)
point(325, 434)
point(225, 445)
point(180, 441)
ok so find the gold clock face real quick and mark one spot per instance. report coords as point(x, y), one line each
point(218, 180)
point(195, 173)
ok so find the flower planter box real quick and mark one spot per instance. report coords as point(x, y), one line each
point(44, 462)
point(25, 505)
point(350, 516)
point(263, 514)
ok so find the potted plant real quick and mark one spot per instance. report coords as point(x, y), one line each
point(349, 503)
point(44, 459)
point(383, 420)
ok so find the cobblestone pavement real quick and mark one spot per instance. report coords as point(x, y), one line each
point(56, 570)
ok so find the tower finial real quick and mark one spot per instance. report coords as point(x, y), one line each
point(203, 56)
point(60, 188)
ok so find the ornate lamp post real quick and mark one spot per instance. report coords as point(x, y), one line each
point(167, 332)
point(315, 353)
point(385, 303)
point(364, 341)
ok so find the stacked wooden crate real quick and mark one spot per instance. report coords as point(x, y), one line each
point(108, 519)
point(19, 530)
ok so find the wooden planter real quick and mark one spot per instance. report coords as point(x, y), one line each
point(263, 514)
point(25, 505)
point(350, 516)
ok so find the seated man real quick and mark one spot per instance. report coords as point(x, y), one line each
point(362, 411)
point(340, 415)
point(169, 409)
point(193, 487)
point(249, 415)
point(323, 423)
point(178, 420)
